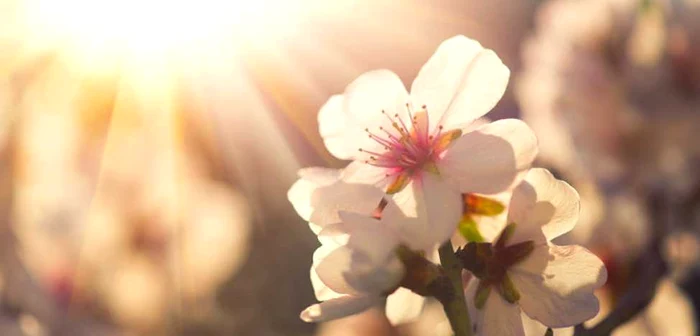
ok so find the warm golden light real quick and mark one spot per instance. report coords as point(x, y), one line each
point(94, 29)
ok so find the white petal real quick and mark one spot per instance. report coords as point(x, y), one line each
point(535, 328)
point(497, 317)
point(461, 82)
point(378, 280)
point(333, 127)
point(556, 284)
point(403, 306)
point(491, 159)
point(321, 290)
point(343, 120)
point(542, 207)
point(331, 270)
point(370, 237)
point(327, 201)
point(433, 209)
point(337, 308)
point(310, 179)
point(360, 172)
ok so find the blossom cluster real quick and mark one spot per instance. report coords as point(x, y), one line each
point(426, 169)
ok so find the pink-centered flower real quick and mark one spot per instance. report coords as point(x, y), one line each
point(421, 147)
point(523, 271)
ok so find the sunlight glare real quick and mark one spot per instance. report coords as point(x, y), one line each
point(153, 28)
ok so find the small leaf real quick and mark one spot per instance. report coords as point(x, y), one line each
point(480, 205)
point(469, 230)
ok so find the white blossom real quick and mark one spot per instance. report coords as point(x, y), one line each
point(420, 147)
point(356, 267)
point(526, 272)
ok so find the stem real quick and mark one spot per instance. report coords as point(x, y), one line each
point(455, 307)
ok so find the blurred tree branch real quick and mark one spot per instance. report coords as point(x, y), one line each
point(649, 268)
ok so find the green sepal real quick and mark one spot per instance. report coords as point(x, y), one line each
point(508, 290)
point(482, 294)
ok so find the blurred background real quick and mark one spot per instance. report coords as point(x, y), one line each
point(146, 148)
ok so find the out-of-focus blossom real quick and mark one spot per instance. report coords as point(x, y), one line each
point(669, 313)
point(141, 242)
point(523, 270)
point(611, 85)
point(413, 146)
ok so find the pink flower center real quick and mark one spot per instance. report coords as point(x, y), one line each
point(410, 145)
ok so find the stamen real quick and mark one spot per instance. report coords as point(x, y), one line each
point(402, 124)
point(410, 114)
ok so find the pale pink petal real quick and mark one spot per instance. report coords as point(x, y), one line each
point(377, 280)
point(497, 317)
point(371, 237)
point(433, 210)
point(533, 327)
point(461, 82)
point(403, 306)
point(321, 290)
point(361, 172)
point(309, 180)
point(491, 159)
point(343, 120)
point(333, 127)
point(556, 284)
point(338, 308)
point(331, 270)
point(542, 207)
point(327, 201)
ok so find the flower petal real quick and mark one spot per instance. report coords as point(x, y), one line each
point(556, 284)
point(321, 290)
point(343, 120)
point(491, 159)
point(403, 306)
point(360, 172)
point(497, 317)
point(327, 201)
point(433, 210)
point(542, 207)
point(331, 270)
point(310, 179)
point(333, 127)
point(337, 308)
point(371, 237)
point(460, 83)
